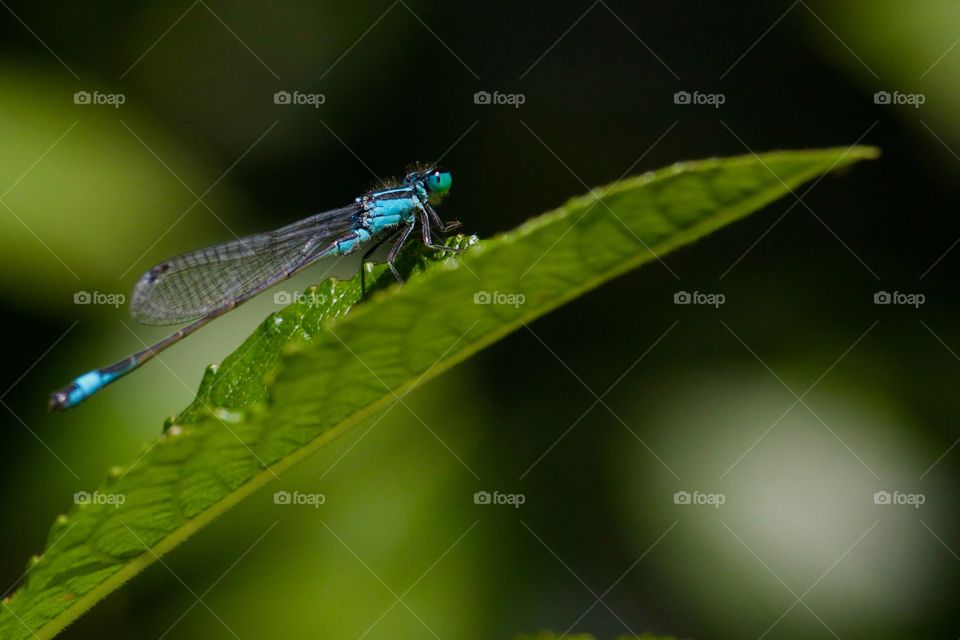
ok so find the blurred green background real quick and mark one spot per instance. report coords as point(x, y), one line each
point(94, 194)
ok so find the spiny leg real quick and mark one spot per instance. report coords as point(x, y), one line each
point(443, 226)
point(395, 250)
point(365, 256)
point(427, 238)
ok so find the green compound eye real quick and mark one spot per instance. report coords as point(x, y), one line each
point(438, 182)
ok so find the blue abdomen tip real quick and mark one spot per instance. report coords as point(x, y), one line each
point(77, 391)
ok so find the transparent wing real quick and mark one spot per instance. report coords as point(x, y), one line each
point(195, 284)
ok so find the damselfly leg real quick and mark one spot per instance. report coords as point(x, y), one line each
point(426, 213)
point(395, 251)
point(443, 226)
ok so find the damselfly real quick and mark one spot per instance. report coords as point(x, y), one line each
point(204, 284)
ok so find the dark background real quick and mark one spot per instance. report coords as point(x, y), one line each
point(799, 549)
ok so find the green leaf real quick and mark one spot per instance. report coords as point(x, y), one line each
point(324, 363)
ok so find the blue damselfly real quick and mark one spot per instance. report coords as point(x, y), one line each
point(199, 286)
